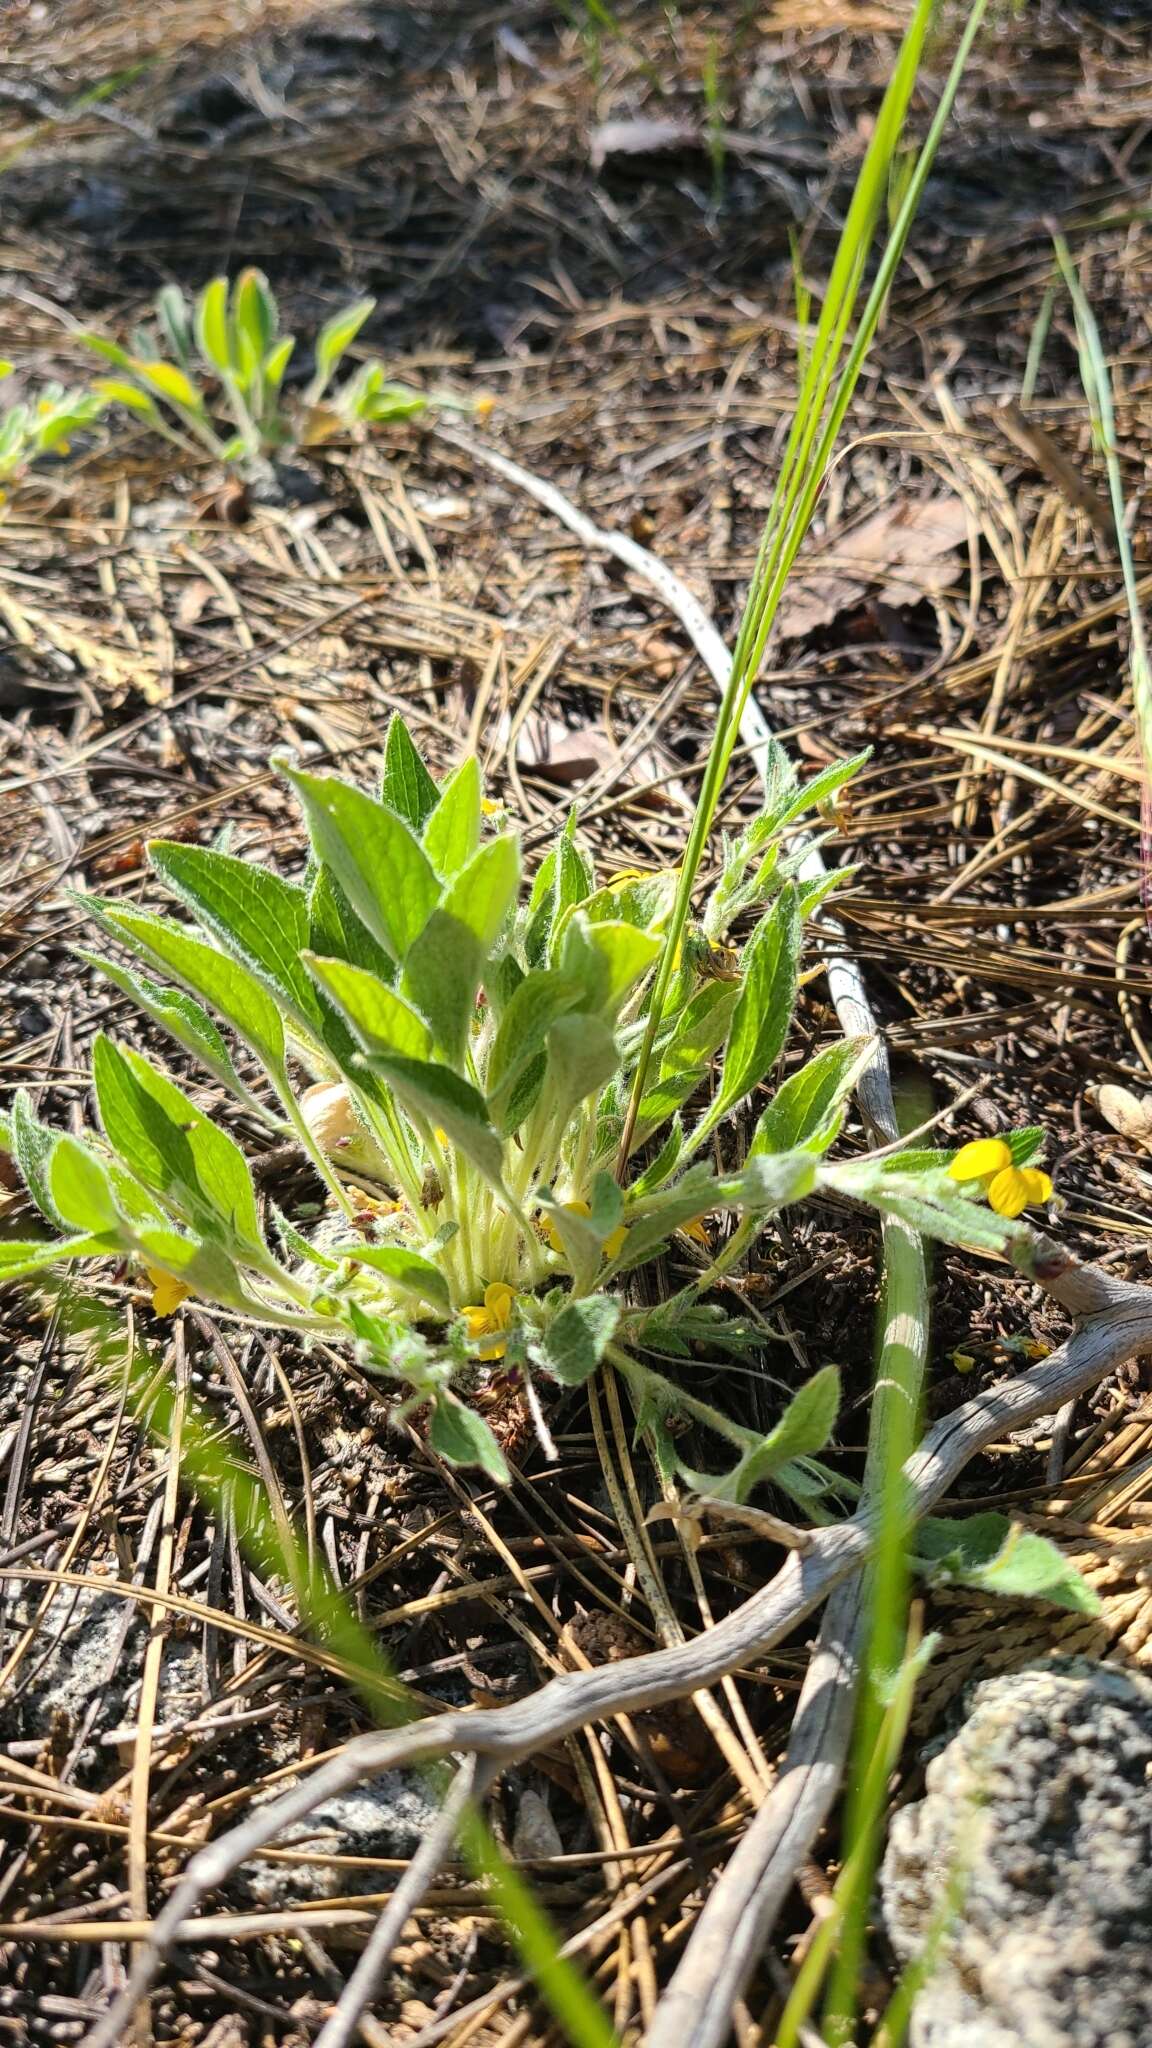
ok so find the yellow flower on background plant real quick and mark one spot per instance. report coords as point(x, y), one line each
point(697, 1232)
point(613, 1243)
point(1010, 1189)
point(167, 1291)
point(491, 1318)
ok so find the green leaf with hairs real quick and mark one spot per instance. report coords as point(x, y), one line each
point(462, 1437)
point(262, 921)
point(995, 1555)
point(82, 1192)
point(212, 325)
point(442, 976)
point(21, 1256)
point(256, 312)
point(334, 338)
point(174, 1149)
point(184, 1018)
point(231, 990)
point(407, 788)
point(770, 966)
point(33, 1144)
point(406, 1269)
point(441, 1097)
point(535, 1004)
point(451, 834)
point(807, 1108)
point(376, 858)
point(380, 1020)
point(335, 931)
point(575, 1341)
point(582, 1056)
point(483, 892)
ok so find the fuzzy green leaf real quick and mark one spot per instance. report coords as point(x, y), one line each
point(443, 1098)
point(442, 975)
point(336, 335)
point(575, 1341)
point(805, 1109)
point(770, 964)
point(406, 1269)
point(259, 919)
point(452, 832)
point(407, 788)
point(582, 1056)
point(376, 858)
point(462, 1437)
point(484, 891)
point(532, 1009)
point(183, 1017)
point(335, 931)
point(256, 312)
point(212, 325)
point(232, 990)
point(176, 1151)
point(380, 1020)
point(20, 1256)
point(995, 1555)
point(81, 1190)
point(33, 1144)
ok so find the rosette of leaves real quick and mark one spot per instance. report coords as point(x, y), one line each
point(40, 426)
point(476, 1037)
point(210, 374)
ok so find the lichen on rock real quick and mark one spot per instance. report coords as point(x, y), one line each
point(1043, 1803)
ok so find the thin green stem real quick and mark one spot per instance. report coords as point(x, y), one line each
point(807, 460)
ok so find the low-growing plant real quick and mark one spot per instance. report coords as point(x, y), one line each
point(455, 1052)
point(210, 375)
point(41, 426)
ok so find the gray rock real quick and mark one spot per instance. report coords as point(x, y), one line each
point(389, 1816)
point(1044, 1802)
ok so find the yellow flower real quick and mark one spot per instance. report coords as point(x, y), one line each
point(484, 405)
point(696, 1231)
point(167, 1291)
point(613, 1243)
point(1009, 1188)
point(491, 806)
point(491, 1318)
point(624, 875)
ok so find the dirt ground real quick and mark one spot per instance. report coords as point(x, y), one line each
point(624, 292)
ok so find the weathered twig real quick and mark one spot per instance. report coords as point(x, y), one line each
point(470, 1782)
point(1119, 1327)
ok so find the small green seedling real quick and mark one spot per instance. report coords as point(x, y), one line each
point(40, 426)
point(210, 376)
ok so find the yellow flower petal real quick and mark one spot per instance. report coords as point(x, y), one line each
point(612, 1244)
point(696, 1231)
point(1008, 1192)
point(167, 1291)
point(498, 1302)
point(982, 1158)
point(490, 806)
point(1039, 1185)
